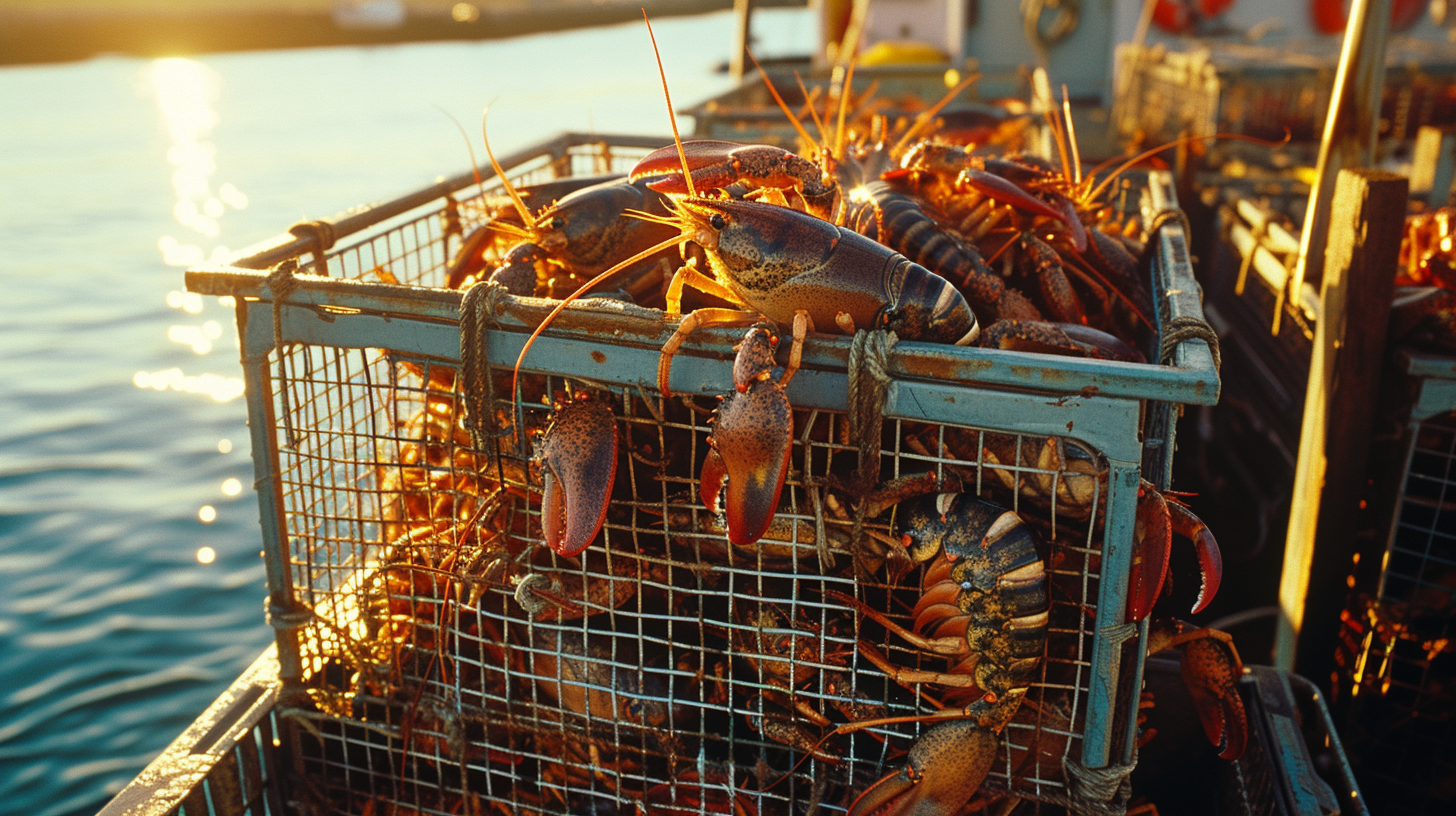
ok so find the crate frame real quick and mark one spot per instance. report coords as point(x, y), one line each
point(1123, 411)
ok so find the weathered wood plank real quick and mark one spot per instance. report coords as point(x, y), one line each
point(1361, 254)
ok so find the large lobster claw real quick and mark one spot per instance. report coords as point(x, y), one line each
point(753, 432)
point(714, 165)
point(945, 767)
point(1158, 518)
point(1211, 669)
point(578, 462)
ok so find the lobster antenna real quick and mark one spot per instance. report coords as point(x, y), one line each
point(469, 148)
point(928, 115)
point(540, 327)
point(1059, 136)
point(1071, 136)
point(844, 92)
point(671, 117)
point(501, 174)
point(809, 102)
point(784, 106)
point(1182, 140)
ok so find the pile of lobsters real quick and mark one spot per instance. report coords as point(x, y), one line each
point(601, 600)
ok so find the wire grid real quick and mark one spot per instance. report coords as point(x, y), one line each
point(1403, 703)
point(415, 249)
point(648, 673)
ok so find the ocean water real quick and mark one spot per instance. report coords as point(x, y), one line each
point(131, 582)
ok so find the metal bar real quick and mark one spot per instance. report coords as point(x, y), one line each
point(1112, 631)
point(176, 776)
point(1194, 381)
point(274, 250)
point(267, 482)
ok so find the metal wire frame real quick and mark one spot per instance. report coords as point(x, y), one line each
point(1400, 663)
point(327, 488)
point(341, 583)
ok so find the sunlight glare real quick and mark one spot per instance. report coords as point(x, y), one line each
point(206, 555)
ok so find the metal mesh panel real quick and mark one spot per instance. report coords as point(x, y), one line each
point(1402, 702)
point(455, 657)
point(453, 665)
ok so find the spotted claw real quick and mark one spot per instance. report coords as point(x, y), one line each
point(1211, 669)
point(577, 459)
point(753, 432)
point(1158, 518)
point(945, 768)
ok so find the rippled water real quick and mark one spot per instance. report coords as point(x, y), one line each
point(131, 585)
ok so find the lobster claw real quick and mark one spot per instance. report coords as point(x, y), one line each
point(714, 165)
point(1211, 669)
point(1158, 518)
point(578, 462)
point(753, 432)
point(945, 767)
point(752, 435)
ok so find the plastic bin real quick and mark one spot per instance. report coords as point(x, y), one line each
point(420, 682)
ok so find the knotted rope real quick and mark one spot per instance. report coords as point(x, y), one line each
point(869, 386)
point(1098, 791)
point(1185, 327)
point(478, 310)
point(282, 283)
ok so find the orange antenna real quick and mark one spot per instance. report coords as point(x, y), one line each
point(1071, 137)
point(469, 148)
point(501, 174)
point(809, 101)
point(928, 115)
point(844, 92)
point(784, 106)
point(1059, 137)
point(1182, 140)
point(516, 374)
point(671, 115)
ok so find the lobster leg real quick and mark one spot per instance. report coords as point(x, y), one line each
point(943, 771)
point(1211, 668)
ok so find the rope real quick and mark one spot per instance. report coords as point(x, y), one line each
point(322, 233)
point(478, 309)
point(1098, 791)
point(1185, 327)
point(287, 615)
point(869, 384)
point(282, 283)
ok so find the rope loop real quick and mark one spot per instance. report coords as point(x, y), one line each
point(1098, 791)
point(478, 310)
point(1178, 329)
point(287, 615)
point(869, 384)
point(282, 284)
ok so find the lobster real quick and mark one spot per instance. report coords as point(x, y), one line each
point(984, 605)
point(577, 459)
point(753, 432)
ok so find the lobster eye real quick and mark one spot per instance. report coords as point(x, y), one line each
point(718, 221)
point(558, 223)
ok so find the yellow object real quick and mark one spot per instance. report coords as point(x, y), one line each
point(901, 52)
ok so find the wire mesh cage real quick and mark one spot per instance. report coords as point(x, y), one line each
point(441, 661)
point(1398, 668)
point(1271, 91)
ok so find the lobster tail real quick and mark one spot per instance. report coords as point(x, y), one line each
point(927, 307)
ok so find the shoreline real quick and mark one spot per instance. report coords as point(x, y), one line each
point(38, 37)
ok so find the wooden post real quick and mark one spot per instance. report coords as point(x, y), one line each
point(1360, 258)
point(1351, 129)
point(1433, 167)
point(743, 21)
